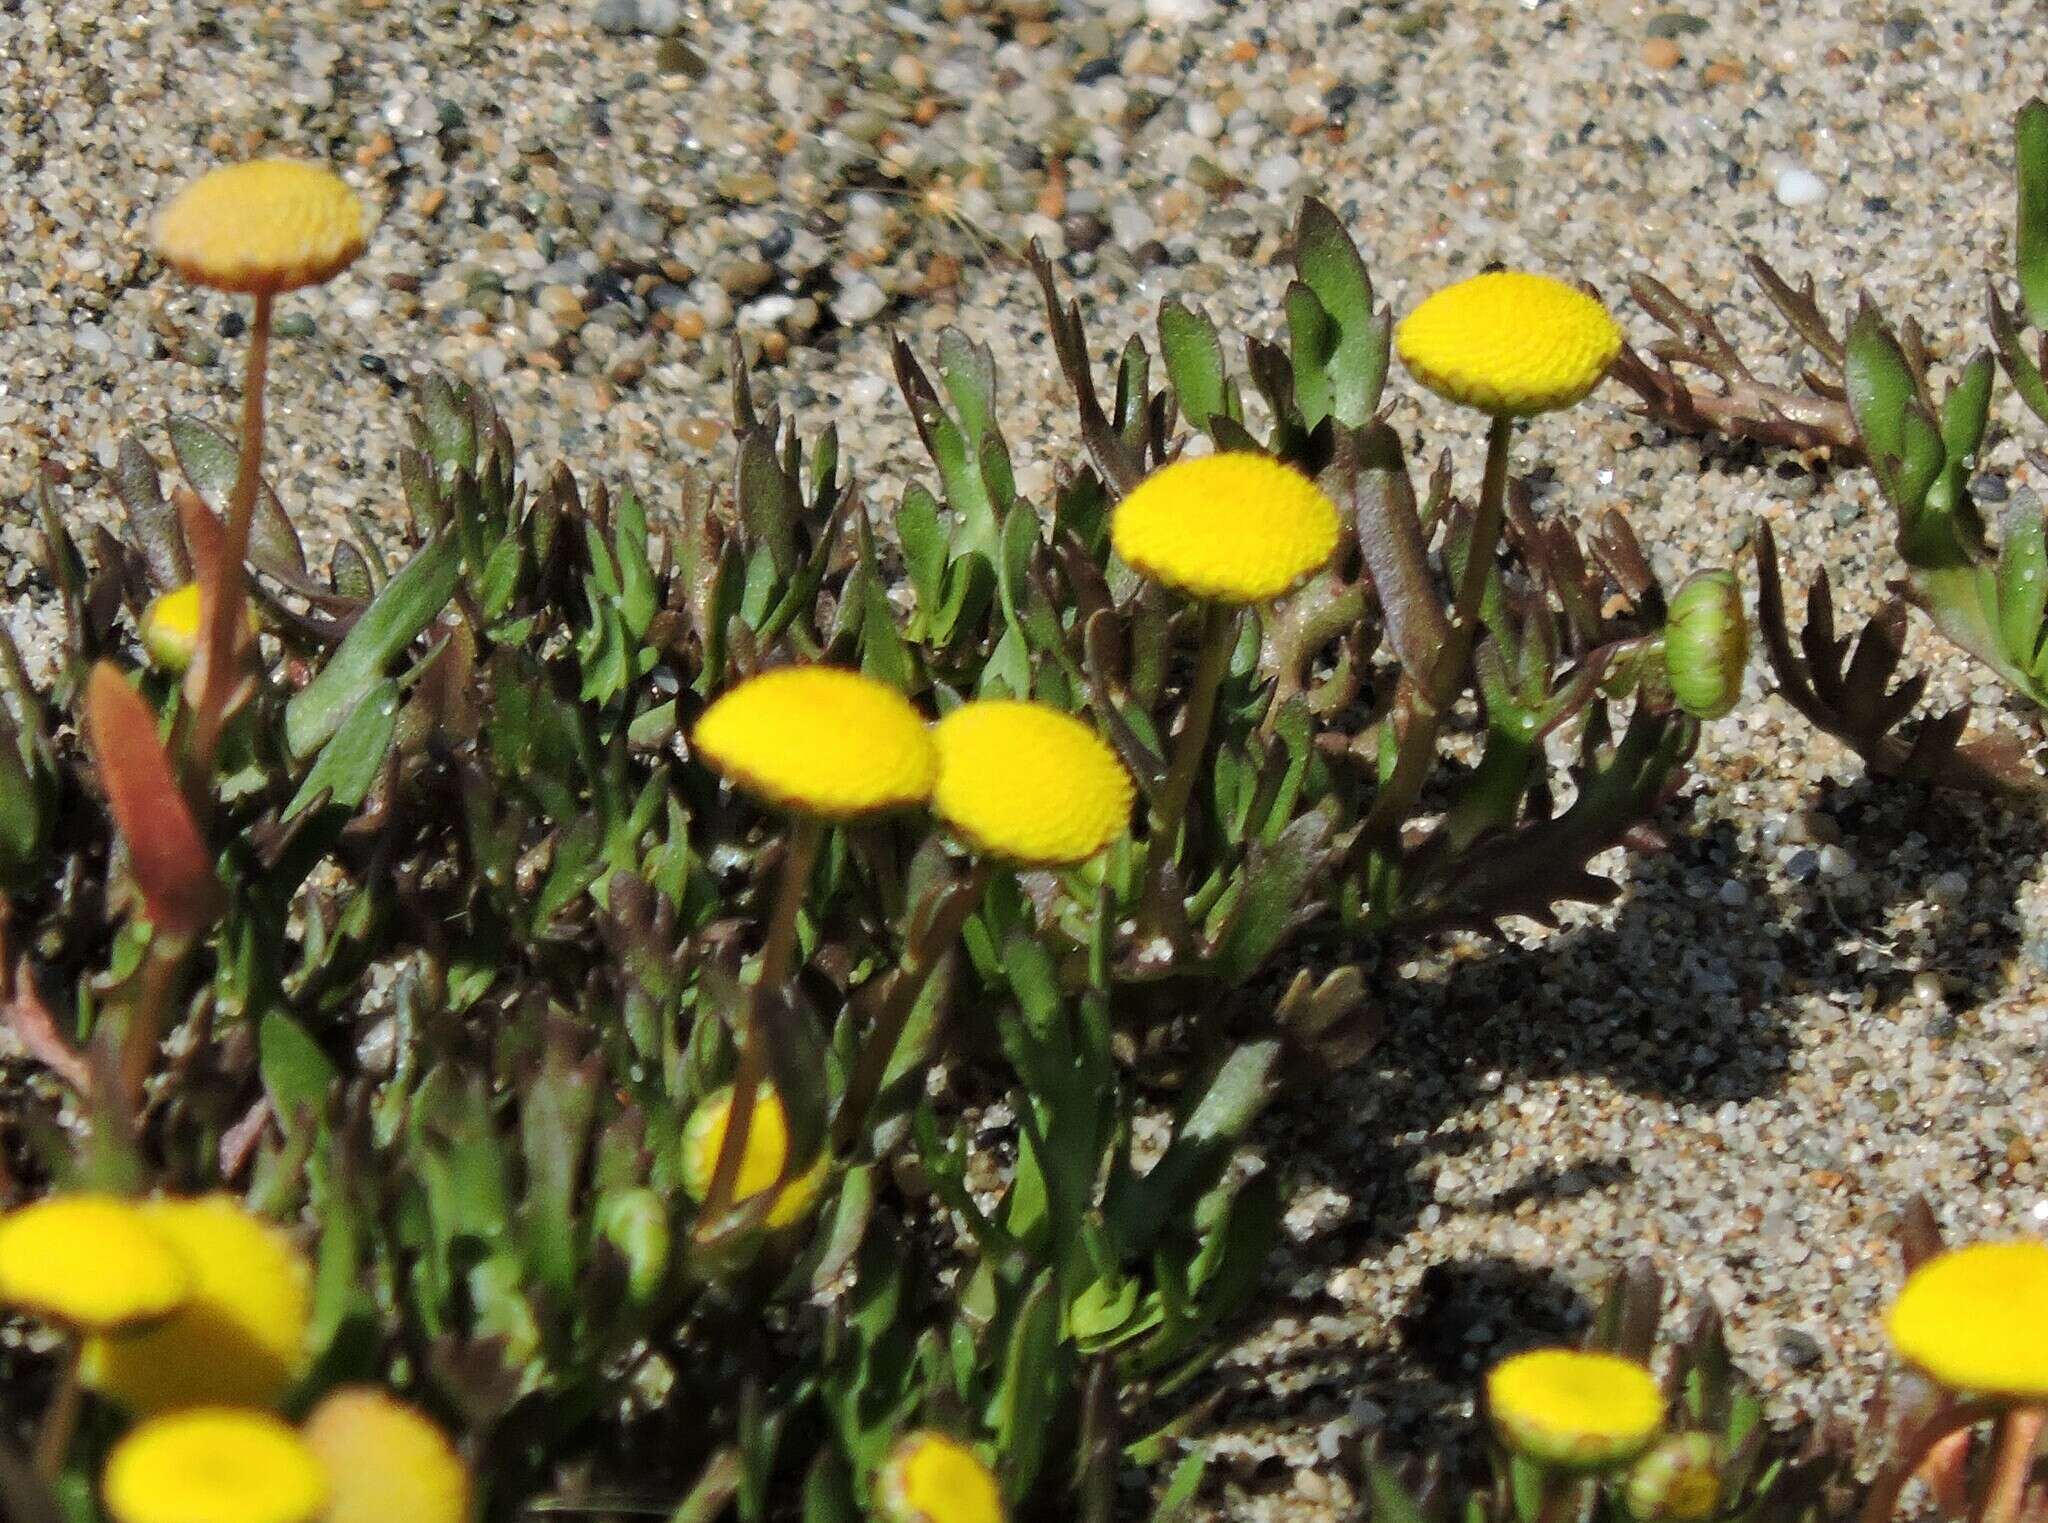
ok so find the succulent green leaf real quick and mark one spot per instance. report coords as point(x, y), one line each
point(347, 766)
point(297, 1075)
point(924, 549)
point(1901, 439)
point(151, 515)
point(2030, 135)
point(769, 502)
point(1312, 338)
point(2022, 578)
point(1194, 364)
point(560, 1102)
point(1034, 1383)
point(409, 602)
point(2021, 366)
point(451, 431)
point(210, 462)
point(1330, 266)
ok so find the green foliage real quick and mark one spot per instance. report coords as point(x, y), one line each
point(490, 923)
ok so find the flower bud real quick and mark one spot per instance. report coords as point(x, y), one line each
point(635, 1223)
point(1679, 1480)
point(170, 628)
point(1706, 644)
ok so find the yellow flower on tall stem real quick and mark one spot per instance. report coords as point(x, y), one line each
point(386, 1463)
point(824, 746)
point(1226, 531)
point(258, 229)
point(931, 1478)
point(1020, 784)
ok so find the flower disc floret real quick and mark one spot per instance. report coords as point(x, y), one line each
point(1027, 783)
point(930, 1478)
point(238, 1340)
point(387, 1462)
point(1567, 1407)
point(91, 1262)
point(820, 741)
point(1976, 1319)
point(214, 1465)
point(760, 1166)
point(1229, 528)
point(1509, 343)
point(263, 227)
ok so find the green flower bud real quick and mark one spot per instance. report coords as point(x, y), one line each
point(1679, 1481)
point(1706, 644)
point(635, 1223)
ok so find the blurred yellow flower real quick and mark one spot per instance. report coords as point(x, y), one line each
point(91, 1262)
point(387, 1462)
point(1976, 1319)
point(930, 1478)
point(767, 1147)
point(1567, 1407)
point(262, 227)
point(214, 1465)
point(238, 1340)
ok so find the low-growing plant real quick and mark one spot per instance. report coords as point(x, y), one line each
point(1870, 400)
point(687, 970)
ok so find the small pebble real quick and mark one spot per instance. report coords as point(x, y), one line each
point(1799, 187)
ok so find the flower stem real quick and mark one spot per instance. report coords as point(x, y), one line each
point(1439, 688)
point(1219, 637)
point(799, 856)
point(2019, 1433)
point(222, 620)
point(1882, 1499)
point(920, 958)
point(60, 1418)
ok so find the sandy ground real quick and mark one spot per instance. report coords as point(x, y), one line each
point(1827, 997)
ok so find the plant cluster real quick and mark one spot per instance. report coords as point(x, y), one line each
point(730, 1007)
point(1871, 399)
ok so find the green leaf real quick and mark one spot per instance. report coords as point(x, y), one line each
point(2022, 578)
point(2019, 365)
point(1312, 338)
point(1033, 1386)
point(1194, 363)
point(924, 549)
point(297, 1075)
point(408, 604)
point(1178, 1498)
point(2030, 145)
point(1901, 440)
point(1274, 884)
point(768, 499)
point(210, 462)
point(451, 434)
point(347, 766)
point(1964, 413)
point(554, 1126)
point(1330, 266)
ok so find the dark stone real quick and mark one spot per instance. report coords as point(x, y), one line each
point(1095, 70)
point(232, 325)
point(1800, 1351)
point(777, 243)
point(1085, 232)
point(374, 363)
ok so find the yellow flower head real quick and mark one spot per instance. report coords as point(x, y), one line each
point(263, 227)
point(930, 1478)
point(388, 1463)
point(767, 1147)
point(1565, 1407)
point(1976, 1319)
point(170, 627)
point(239, 1340)
point(820, 740)
point(1229, 528)
point(214, 1465)
point(1509, 343)
point(91, 1262)
point(1029, 784)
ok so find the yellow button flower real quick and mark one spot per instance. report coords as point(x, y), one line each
point(1976, 1319)
point(1565, 1407)
point(1509, 343)
point(767, 1147)
point(239, 1340)
point(388, 1463)
point(1229, 528)
point(930, 1478)
point(90, 1262)
point(820, 741)
point(263, 227)
point(1027, 783)
point(170, 627)
point(214, 1465)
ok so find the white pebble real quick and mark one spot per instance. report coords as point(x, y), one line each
point(858, 301)
point(1276, 174)
point(1799, 187)
point(1205, 121)
point(866, 389)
